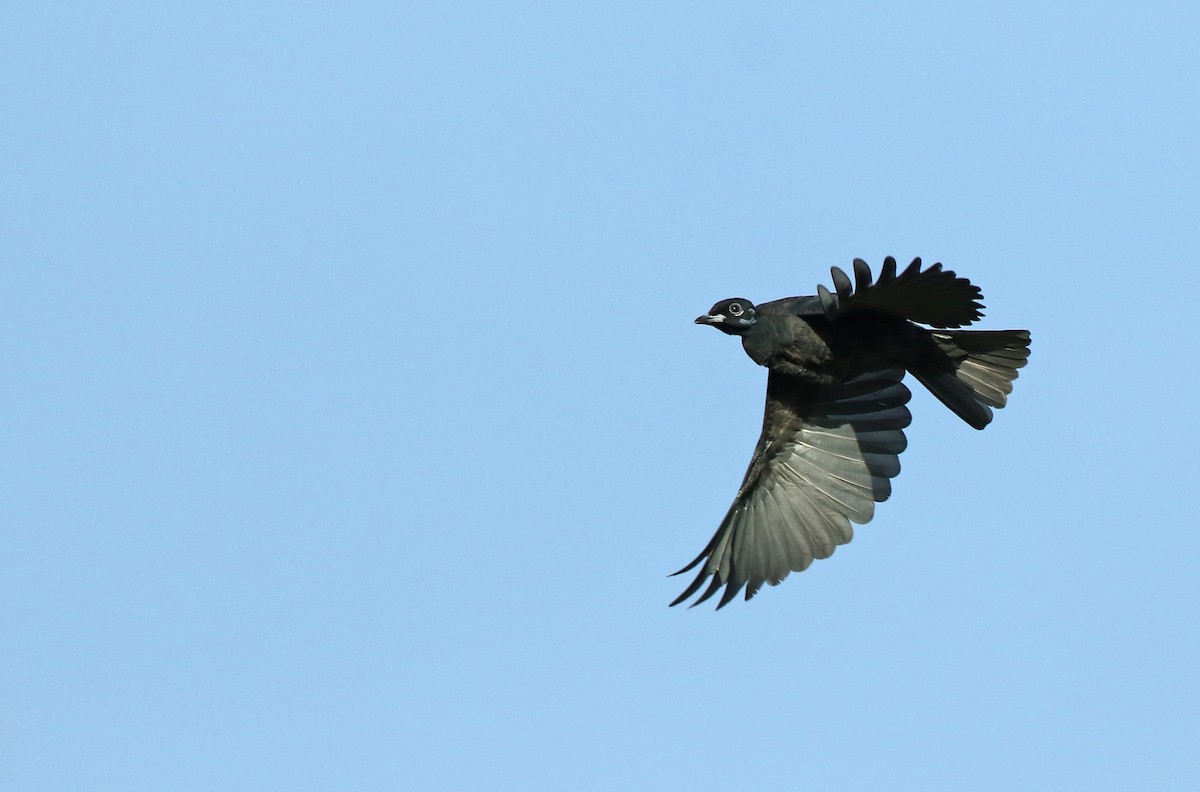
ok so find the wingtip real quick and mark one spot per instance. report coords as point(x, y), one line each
point(841, 283)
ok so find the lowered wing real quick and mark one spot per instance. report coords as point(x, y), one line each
point(825, 457)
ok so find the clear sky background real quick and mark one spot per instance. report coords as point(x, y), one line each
point(353, 413)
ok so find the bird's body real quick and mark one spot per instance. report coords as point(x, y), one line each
point(813, 348)
point(835, 412)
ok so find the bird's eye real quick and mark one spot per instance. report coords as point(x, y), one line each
point(735, 309)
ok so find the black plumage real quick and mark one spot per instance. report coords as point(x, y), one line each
point(833, 426)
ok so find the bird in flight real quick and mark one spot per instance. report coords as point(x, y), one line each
point(833, 427)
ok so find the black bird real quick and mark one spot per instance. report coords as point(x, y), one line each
point(835, 415)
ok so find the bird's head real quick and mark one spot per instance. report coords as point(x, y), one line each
point(733, 316)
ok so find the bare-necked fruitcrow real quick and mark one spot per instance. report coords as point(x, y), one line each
point(835, 415)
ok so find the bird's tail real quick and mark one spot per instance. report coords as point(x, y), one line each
point(972, 371)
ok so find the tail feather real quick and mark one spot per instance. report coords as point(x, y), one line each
point(972, 371)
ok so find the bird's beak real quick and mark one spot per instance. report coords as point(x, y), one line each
point(709, 319)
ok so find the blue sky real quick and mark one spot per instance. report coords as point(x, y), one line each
point(354, 413)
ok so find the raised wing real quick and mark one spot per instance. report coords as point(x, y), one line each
point(825, 457)
point(934, 296)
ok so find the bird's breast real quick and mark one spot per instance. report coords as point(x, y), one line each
point(785, 343)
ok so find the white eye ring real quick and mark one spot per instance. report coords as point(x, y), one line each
point(735, 309)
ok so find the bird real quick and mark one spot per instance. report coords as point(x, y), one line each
point(836, 409)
